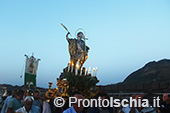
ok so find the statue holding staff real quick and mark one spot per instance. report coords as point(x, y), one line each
point(77, 48)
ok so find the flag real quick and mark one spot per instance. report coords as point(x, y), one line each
point(31, 70)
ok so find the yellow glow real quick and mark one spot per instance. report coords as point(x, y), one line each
point(77, 66)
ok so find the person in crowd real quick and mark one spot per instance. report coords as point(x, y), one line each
point(46, 106)
point(128, 109)
point(136, 108)
point(2, 101)
point(165, 106)
point(28, 107)
point(25, 93)
point(148, 109)
point(5, 106)
point(4, 96)
point(98, 109)
point(16, 102)
point(37, 99)
point(52, 106)
point(75, 108)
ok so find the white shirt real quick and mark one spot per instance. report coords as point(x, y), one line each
point(34, 109)
point(22, 110)
point(46, 107)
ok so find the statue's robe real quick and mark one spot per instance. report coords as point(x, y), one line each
point(76, 53)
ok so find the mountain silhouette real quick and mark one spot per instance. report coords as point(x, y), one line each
point(152, 72)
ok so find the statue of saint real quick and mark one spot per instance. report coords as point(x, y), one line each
point(77, 49)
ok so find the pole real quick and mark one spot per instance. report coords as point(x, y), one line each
point(65, 28)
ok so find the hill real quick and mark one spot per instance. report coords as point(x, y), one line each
point(152, 72)
point(9, 87)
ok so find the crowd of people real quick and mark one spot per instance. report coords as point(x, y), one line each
point(28, 101)
point(25, 102)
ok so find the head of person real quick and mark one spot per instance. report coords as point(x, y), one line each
point(19, 94)
point(102, 95)
point(80, 35)
point(9, 92)
point(25, 93)
point(37, 94)
point(165, 98)
point(45, 98)
point(28, 103)
point(134, 96)
point(139, 99)
point(13, 93)
point(78, 108)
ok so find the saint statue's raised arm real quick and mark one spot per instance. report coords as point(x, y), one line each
point(77, 49)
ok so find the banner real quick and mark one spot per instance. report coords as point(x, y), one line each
point(31, 70)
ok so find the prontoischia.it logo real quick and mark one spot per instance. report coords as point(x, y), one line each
point(59, 102)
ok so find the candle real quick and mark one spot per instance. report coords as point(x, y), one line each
point(81, 71)
point(93, 71)
point(72, 68)
point(76, 71)
point(89, 70)
point(78, 65)
point(96, 71)
point(85, 71)
point(77, 68)
point(68, 67)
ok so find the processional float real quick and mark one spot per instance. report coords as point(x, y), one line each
point(75, 78)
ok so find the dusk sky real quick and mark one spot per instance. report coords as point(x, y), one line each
point(123, 35)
